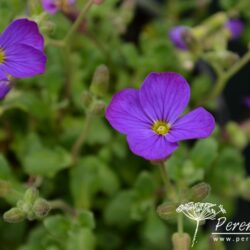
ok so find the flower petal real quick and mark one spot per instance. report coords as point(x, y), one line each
point(22, 31)
point(125, 113)
point(150, 146)
point(4, 88)
point(3, 75)
point(164, 96)
point(197, 124)
point(176, 35)
point(23, 61)
point(50, 6)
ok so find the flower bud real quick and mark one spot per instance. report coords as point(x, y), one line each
point(181, 241)
point(236, 135)
point(125, 16)
point(211, 25)
point(31, 195)
point(14, 215)
point(41, 208)
point(166, 210)
point(178, 36)
point(200, 191)
point(223, 58)
point(87, 99)
point(235, 28)
point(98, 108)
point(100, 82)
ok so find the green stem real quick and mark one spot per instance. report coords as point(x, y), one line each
point(78, 21)
point(60, 204)
point(170, 190)
point(68, 71)
point(225, 76)
point(81, 139)
point(195, 233)
point(55, 43)
point(180, 223)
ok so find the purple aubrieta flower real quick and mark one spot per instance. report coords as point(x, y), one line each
point(235, 27)
point(21, 50)
point(149, 117)
point(52, 6)
point(176, 35)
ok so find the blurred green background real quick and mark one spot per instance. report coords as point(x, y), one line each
point(104, 197)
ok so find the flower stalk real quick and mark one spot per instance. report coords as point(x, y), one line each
point(81, 139)
point(223, 77)
point(78, 21)
point(170, 189)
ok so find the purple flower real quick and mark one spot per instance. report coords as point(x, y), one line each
point(52, 6)
point(246, 101)
point(21, 50)
point(176, 35)
point(149, 117)
point(4, 88)
point(235, 27)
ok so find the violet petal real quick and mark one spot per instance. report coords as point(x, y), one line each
point(198, 123)
point(164, 96)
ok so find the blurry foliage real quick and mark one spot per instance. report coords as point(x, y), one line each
point(42, 118)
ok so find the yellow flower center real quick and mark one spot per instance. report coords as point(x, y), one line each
point(161, 127)
point(2, 56)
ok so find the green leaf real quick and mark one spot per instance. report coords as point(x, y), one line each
point(84, 182)
point(81, 239)
point(46, 162)
point(118, 210)
point(204, 153)
point(88, 177)
point(155, 232)
point(86, 219)
point(58, 226)
point(5, 171)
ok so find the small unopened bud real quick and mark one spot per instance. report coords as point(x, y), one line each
point(235, 27)
point(236, 135)
point(31, 195)
point(200, 191)
point(166, 210)
point(210, 25)
point(87, 99)
point(100, 82)
point(98, 2)
point(41, 208)
point(224, 58)
point(98, 108)
point(181, 241)
point(14, 215)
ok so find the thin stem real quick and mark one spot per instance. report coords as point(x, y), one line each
point(195, 233)
point(238, 65)
point(81, 139)
point(78, 21)
point(55, 43)
point(68, 71)
point(225, 76)
point(60, 204)
point(170, 190)
point(180, 223)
